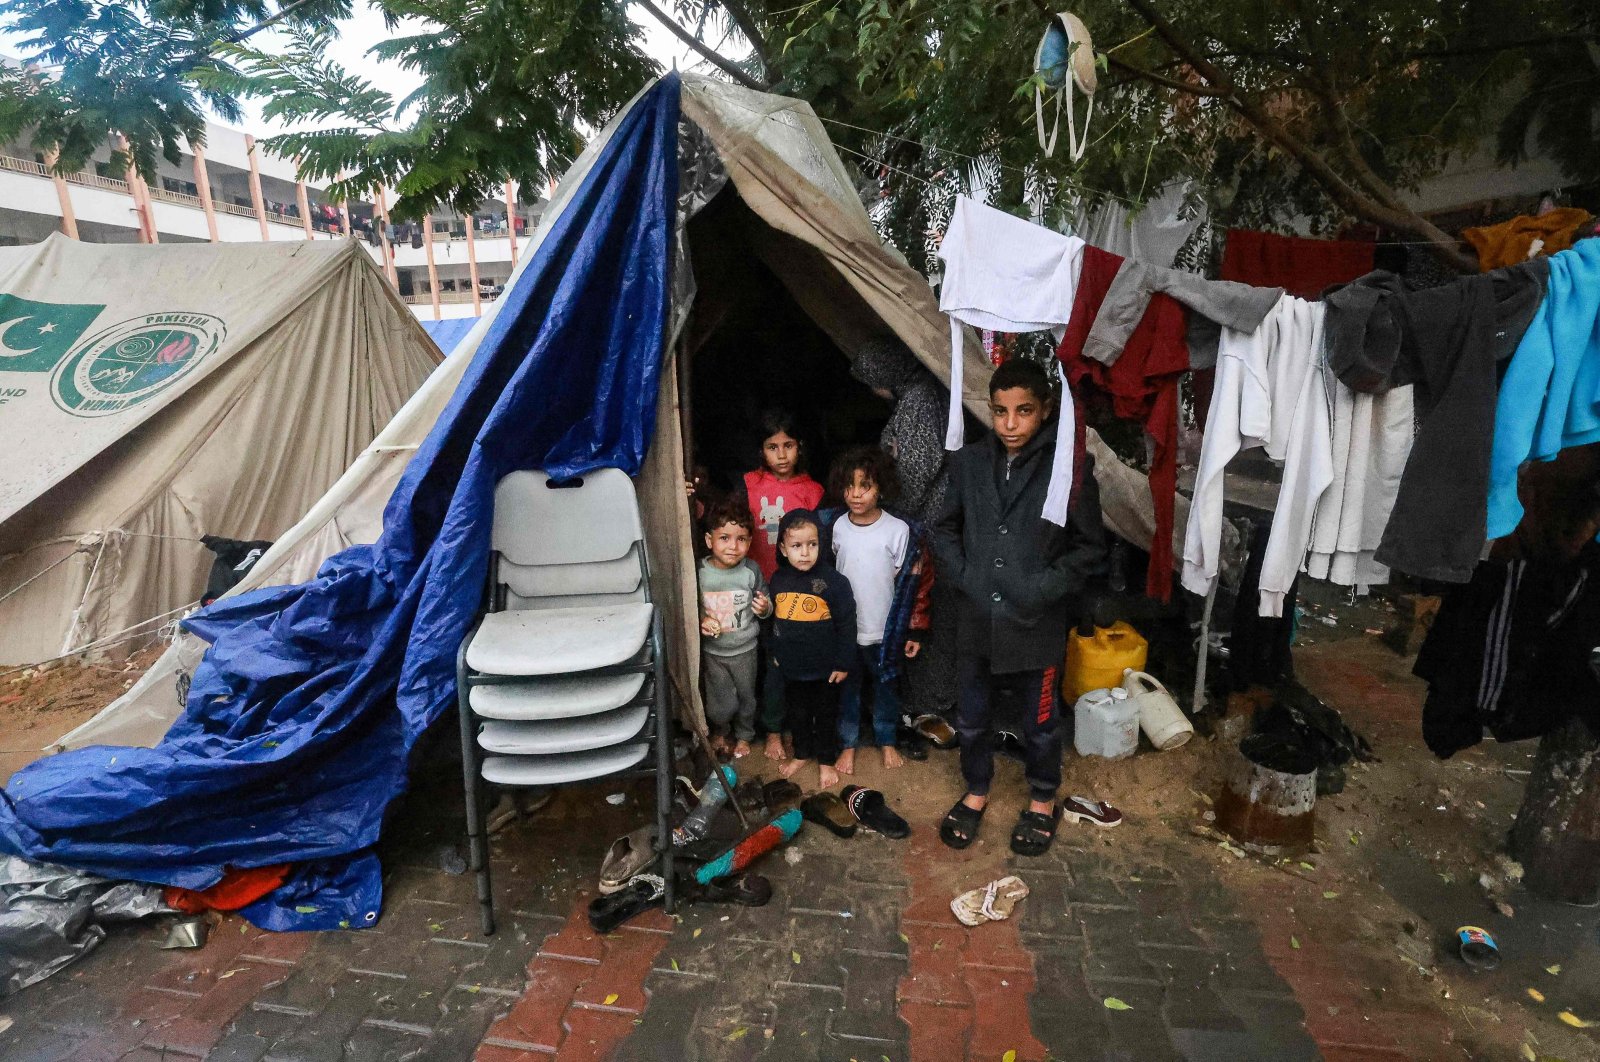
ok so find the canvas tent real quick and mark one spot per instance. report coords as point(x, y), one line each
point(150, 395)
point(580, 364)
point(817, 236)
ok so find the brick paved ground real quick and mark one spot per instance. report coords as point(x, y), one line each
point(857, 956)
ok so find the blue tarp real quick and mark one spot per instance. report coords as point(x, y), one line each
point(298, 724)
point(448, 332)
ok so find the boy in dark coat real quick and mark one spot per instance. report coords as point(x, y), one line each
point(1018, 576)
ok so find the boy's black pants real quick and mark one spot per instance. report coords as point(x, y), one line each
point(811, 715)
point(1034, 695)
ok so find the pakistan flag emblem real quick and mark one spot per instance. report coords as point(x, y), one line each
point(134, 361)
point(35, 336)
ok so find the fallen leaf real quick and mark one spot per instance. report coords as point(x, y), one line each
point(737, 1034)
point(1529, 1053)
point(6, 1023)
point(305, 909)
point(904, 939)
point(1569, 1018)
point(435, 926)
point(612, 998)
point(1355, 838)
point(675, 968)
point(696, 934)
point(1294, 942)
point(1308, 866)
point(1329, 895)
point(1009, 1056)
point(795, 955)
point(1113, 1003)
point(1553, 970)
point(1536, 995)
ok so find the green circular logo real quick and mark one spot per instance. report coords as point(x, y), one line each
point(134, 361)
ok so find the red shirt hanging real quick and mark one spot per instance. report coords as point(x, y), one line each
point(1142, 386)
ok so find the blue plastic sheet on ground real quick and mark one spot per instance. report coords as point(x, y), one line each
point(299, 721)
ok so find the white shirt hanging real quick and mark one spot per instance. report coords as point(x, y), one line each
point(1009, 275)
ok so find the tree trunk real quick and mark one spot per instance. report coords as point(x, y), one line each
point(1557, 833)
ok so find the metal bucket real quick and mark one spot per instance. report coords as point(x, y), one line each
point(1270, 812)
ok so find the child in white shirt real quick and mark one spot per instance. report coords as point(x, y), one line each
point(870, 549)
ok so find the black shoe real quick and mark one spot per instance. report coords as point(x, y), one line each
point(873, 812)
point(642, 893)
point(827, 811)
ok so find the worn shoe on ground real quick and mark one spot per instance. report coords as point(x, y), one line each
point(1097, 812)
point(829, 812)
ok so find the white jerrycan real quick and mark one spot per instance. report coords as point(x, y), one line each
point(1163, 721)
point(1105, 723)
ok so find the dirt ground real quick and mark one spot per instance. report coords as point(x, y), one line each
point(1411, 849)
point(38, 705)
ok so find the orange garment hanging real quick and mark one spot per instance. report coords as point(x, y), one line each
point(1512, 241)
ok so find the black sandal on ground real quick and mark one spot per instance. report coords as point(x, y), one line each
point(1035, 832)
point(960, 825)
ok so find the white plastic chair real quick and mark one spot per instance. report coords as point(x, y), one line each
point(562, 680)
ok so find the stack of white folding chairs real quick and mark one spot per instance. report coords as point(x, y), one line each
point(563, 679)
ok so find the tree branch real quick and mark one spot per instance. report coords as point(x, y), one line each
point(1141, 74)
point(740, 15)
point(1382, 209)
point(699, 46)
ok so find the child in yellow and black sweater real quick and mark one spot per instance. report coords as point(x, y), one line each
point(813, 641)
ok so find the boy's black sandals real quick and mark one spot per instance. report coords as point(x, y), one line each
point(960, 825)
point(873, 812)
point(1035, 831)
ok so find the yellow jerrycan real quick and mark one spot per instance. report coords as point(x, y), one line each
point(1096, 661)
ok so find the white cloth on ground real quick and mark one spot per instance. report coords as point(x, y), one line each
point(871, 557)
point(1009, 275)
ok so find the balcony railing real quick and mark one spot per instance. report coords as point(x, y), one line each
point(454, 297)
point(34, 169)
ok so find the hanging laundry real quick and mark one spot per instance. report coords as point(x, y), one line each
point(1509, 651)
point(1550, 397)
point(1270, 392)
point(1362, 332)
point(1143, 386)
point(1371, 441)
point(1009, 275)
point(1525, 237)
point(1300, 266)
point(1237, 306)
point(1451, 339)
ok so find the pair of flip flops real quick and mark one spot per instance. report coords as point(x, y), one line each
point(991, 903)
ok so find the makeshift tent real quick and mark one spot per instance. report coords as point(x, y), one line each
point(566, 371)
point(153, 395)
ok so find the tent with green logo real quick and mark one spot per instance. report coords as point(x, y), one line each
point(153, 395)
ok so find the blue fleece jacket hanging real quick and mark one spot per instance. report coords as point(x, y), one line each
point(1550, 397)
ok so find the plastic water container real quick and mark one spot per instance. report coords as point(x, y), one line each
point(1160, 717)
point(1096, 661)
point(1105, 723)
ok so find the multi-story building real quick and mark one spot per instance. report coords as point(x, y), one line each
point(232, 189)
